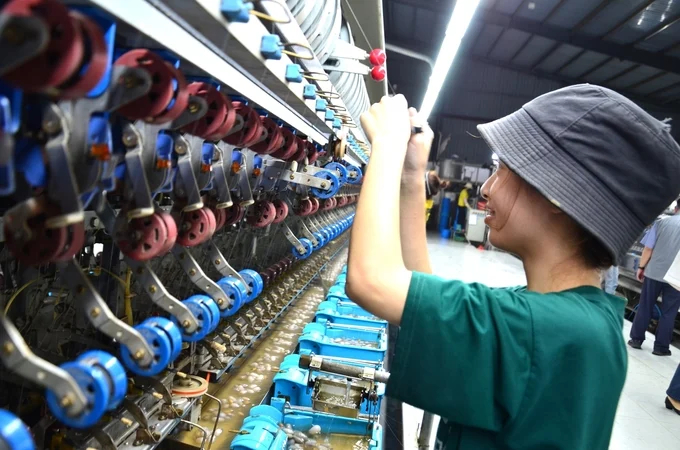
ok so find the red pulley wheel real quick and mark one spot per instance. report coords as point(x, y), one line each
point(212, 220)
point(290, 145)
point(61, 59)
point(194, 228)
point(281, 210)
point(305, 207)
point(342, 201)
point(261, 214)
point(258, 135)
point(45, 243)
point(301, 152)
point(326, 204)
point(266, 279)
point(74, 242)
point(232, 214)
point(220, 217)
point(273, 141)
point(250, 132)
point(181, 96)
point(141, 239)
point(212, 121)
point(171, 225)
point(155, 102)
point(278, 269)
point(312, 153)
point(96, 62)
point(315, 204)
point(227, 123)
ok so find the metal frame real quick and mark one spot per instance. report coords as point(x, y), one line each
point(291, 32)
point(144, 16)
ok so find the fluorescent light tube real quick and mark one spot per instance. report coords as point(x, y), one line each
point(458, 25)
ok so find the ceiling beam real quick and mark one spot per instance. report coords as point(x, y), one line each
point(664, 89)
point(645, 81)
point(622, 73)
point(582, 23)
point(436, 7)
point(565, 80)
point(663, 26)
point(597, 66)
point(591, 15)
point(564, 36)
point(570, 60)
point(626, 19)
point(554, 11)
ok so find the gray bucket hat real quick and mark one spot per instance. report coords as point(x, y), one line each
point(596, 155)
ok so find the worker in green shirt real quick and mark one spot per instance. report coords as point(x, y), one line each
point(534, 367)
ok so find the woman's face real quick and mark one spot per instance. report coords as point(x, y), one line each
point(516, 213)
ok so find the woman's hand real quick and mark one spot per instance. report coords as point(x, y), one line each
point(388, 122)
point(419, 146)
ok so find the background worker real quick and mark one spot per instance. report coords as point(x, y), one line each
point(610, 280)
point(494, 363)
point(673, 392)
point(433, 184)
point(462, 207)
point(662, 244)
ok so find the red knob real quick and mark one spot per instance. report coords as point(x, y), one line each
point(377, 57)
point(378, 73)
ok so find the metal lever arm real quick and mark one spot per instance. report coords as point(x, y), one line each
point(308, 234)
point(221, 263)
point(160, 296)
point(198, 277)
point(292, 238)
point(19, 358)
point(101, 317)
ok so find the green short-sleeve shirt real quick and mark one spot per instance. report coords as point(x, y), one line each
point(509, 368)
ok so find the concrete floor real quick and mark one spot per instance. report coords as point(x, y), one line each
point(642, 421)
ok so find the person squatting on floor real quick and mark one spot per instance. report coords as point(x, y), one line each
point(536, 367)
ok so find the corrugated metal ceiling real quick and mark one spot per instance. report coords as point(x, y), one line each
point(629, 45)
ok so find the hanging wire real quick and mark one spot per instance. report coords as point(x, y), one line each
point(217, 418)
point(336, 108)
point(315, 76)
point(293, 54)
point(329, 95)
point(17, 292)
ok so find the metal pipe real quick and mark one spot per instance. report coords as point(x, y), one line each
point(411, 54)
point(425, 431)
point(341, 369)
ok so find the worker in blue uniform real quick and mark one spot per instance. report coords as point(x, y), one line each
point(534, 367)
